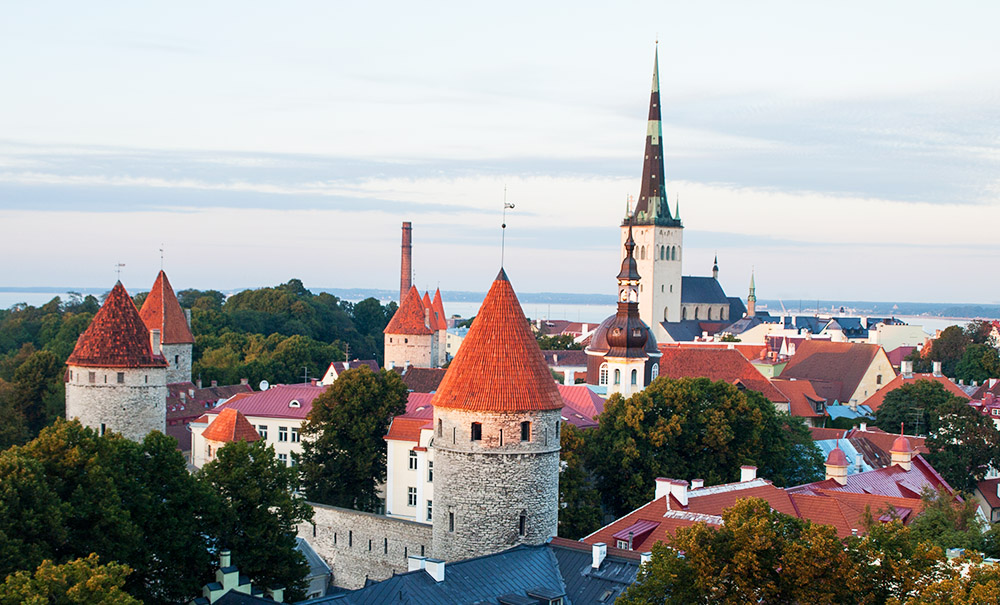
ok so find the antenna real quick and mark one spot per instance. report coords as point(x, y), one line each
point(305, 374)
point(503, 225)
point(118, 270)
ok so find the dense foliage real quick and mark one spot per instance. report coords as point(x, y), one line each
point(579, 501)
point(69, 493)
point(344, 453)
point(967, 354)
point(81, 581)
point(690, 428)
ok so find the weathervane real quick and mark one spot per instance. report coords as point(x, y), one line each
point(118, 270)
point(161, 256)
point(503, 225)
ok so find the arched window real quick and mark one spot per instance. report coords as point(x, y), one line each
point(710, 314)
point(665, 314)
point(603, 378)
point(642, 252)
point(635, 377)
point(696, 312)
point(654, 372)
point(725, 313)
point(663, 252)
point(673, 253)
point(618, 376)
point(684, 313)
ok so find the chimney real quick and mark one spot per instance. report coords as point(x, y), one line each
point(187, 316)
point(993, 382)
point(645, 557)
point(697, 483)
point(906, 369)
point(406, 262)
point(864, 427)
point(225, 559)
point(215, 383)
point(679, 490)
point(435, 569)
point(836, 466)
point(599, 551)
point(414, 563)
point(391, 364)
point(198, 384)
point(747, 473)
point(937, 368)
point(275, 594)
point(243, 381)
point(154, 341)
point(662, 487)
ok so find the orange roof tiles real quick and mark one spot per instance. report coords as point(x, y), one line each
point(499, 367)
point(716, 364)
point(840, 363)
point(116, 337)
point(802, 397)
point(230, 425)
point(875, 401)
point(161, 311)
point(438, 310)
point(406, 429)
point(410, 317)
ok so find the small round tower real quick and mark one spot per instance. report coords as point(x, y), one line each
point(496, 437)
point(161, 311)
point(116, 379)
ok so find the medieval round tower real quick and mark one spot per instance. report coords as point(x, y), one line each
point(116, 379)
point(161, 311)
point(496, 437)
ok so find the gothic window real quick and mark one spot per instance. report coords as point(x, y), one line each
point(673, 253)
point(526, 430)
point(522, 523)
point(603, 380)
point(654, 371)
point(696, 313)
point(663, 252)
point(635, 377)
point(477, 431)
point(878, 379)
point(710, 314)
point(664, 313)
point(618, 376)
point(684, 313)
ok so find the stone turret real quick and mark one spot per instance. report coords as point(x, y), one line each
point(116, 378)
point(496, 437)
point(161, 311)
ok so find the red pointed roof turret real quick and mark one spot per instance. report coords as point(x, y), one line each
point(161, 311)
point(439, 309)
point(651, 207)
point(901, 444)
point(429, 306)
point(116, 337)
point(837, 457)
point(231, 425)
point(410, 317)
point(499, 367)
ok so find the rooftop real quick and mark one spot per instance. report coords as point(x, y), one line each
point(116, 337)
point(161, 311)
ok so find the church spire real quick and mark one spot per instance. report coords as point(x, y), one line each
point(652, 207)
point(752, 298)
point(715, 268)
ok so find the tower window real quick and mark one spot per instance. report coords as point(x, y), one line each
point(477, 431)
point(684, 313)
point(440, 428)
point(696, 312)
point(522, 523)
point(121, 377)
point(177, 361)
point(618, 376)
point(430, 471)
point(664, 313)
point(603, 378)
point(663, 252)
point(635, 377)
point(642, 253)
point(878, 379)
point(525, 431)
point(451, 521)
point(104, 427)
point(673, 253)
point(654, 371)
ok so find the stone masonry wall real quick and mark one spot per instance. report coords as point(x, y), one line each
point(415, 348)
point(489, 484)
point(359, 546)
point(132, 408)
point(179, 362)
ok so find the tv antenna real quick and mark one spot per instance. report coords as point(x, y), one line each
point(118, 270)
point(503, 225)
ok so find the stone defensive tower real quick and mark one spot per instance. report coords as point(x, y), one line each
point(116, 380)
point(496, 439)
point(162, 312)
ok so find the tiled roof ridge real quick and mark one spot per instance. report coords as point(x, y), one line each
point(499, 366)
point(230, 425)
point(728, 487)
point(116, 337)
point(410, 317)
point(162, 311)
point(693, 516)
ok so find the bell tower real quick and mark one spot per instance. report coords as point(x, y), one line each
point(658, 236)
point(627, 334)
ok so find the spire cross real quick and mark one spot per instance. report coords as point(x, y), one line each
point(503, 225)
point(118, 270)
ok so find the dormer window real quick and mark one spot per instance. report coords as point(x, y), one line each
point(294, 403)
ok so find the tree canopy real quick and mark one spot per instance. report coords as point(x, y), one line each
point(83, 581)
point(694, 428)
point(344, 452)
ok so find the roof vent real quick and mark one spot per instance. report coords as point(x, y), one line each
point(294, 403)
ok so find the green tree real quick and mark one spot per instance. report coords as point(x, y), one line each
point(259, 515)
point(979, 363)
point(963, 444)
point(78, 582)
point(344, 453)
point(947, 522)
point(689, 428)
point(558, 342)
point(948, 348)
point(914, 406)
point(978, 331)
point(579, 501)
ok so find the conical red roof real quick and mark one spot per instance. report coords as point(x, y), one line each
point(162, 312)
point(231, 425)
point(439, 309)
point(116, 337)
point(499, 367)
point(409, 317)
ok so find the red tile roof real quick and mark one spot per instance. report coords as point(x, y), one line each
point(438, 306)
point(832, 362)
point(988, 489)
point(185, 400)
point(422, 380)
point(116, 337)
point(406, 429)
point(883, 440)
point(161, 311)
point(581, 399)
point(802, 397)
point(728, 365)
point(875, 401)
point(230, 425)
point(499, 367)
point(410, 317)
point(897, 355)
point(276, 402)
point(819, 434)
point(891, 481)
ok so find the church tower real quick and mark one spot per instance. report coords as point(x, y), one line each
point(161, 311)
point(627, 334)
point(752, 298)
point(496, 437)
point(116, 379)
point(658, 235)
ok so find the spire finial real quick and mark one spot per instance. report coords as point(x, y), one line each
point(161, 256)
point(118, 271)
point(503, 225)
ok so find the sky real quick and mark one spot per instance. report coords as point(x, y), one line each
point(840, 151)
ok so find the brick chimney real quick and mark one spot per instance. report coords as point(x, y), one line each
point(906, 369)
point(937, 368)
point(406, 263)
